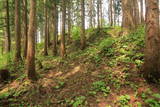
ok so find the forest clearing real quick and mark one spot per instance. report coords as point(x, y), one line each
point(77, 53)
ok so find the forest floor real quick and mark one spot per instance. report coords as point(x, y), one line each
point(105, 74)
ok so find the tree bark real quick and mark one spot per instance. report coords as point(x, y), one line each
point(82, 32)
point(142, 11)
point(46, 29)
point(17, 31)
point(136, 13)
point(91, 7)
point(69, 21)
point(152, 51)
point(63, 50)
point(25, 25)
point(111, 12)
point(128, 21)
point(7, 21)
point(31, 42)
point(98, 13)
point(54, 28)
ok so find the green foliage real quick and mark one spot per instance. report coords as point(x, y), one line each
point(124, 100)
point(129, 47)
point(100, 86)
point(6, 59)
point(78, 101)
point(75, 33)
point(139, 104)
point(106, 43)
point(7, 62)
point(152, 102)
point(156, 95)
point(5, 95)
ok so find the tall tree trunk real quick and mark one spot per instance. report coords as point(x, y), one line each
point(69, 21)
point(101, 14)
point(46, 29)
point(25, 25)
point(63, 50)
point(98, 13)
point(152, 51)
point(114, 13)
point(128, 21)
point(91, 7)
point(8, 38)
point(82, 32)
point(142, 11)
point(54, 28)
point(111, 12)
point(31, 42)
point(17, 31)
point(57, 24)
point(136, 13)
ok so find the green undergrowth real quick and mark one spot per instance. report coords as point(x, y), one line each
point(129, 48)
point(110, 50)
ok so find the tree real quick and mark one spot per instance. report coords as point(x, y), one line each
point(7, 21)
point(136, 13)
point(127, 17)
point(69, 20)
point(98, 13)
point(55, 15)
point(31, 42)
point(82, 32)
point(101, 14)
point(25, 27)
point(152, 51)
point(17, 31)
point(46, 28)
point(91, 8)
point(63, 50)
point(111, 12)
point(142, 11)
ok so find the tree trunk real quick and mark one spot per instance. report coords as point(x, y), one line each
point(91, 7)
point(142, 11)
point(7, 21)
point(54, 28)
point(69, 21)
point(136, 13)
point(82, 32)
point(101, 14)
point(31, 42)
point(17, 31)
point(63, 50)
point(25, 25)
point(98, 13)
point(152, 51)
point(111, 12)
point(127, 22)
point(46, 29)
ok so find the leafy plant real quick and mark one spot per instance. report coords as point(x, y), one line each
point(75, 33)
point(152, 102)
point(100, 86)
point(124, 100)
point(78, 101)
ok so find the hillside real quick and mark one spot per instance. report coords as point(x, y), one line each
point(106, 74)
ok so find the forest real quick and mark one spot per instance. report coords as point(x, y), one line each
point(79, 53)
